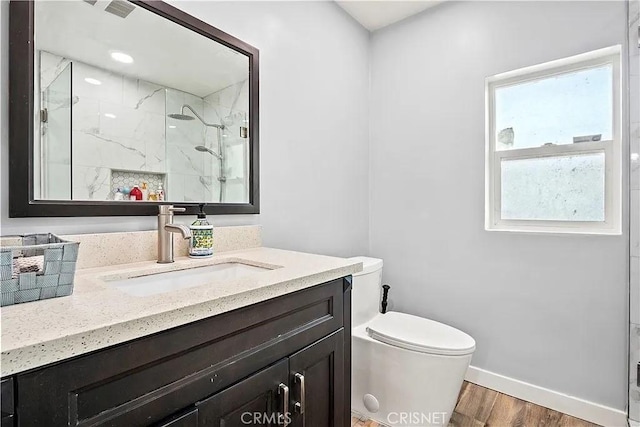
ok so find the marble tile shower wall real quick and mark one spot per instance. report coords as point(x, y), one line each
point(116, 124)
point(230, 106)
point(192, 174)
point(121, 124)
point(634, 123)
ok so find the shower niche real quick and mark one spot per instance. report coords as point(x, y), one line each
point(175, 109)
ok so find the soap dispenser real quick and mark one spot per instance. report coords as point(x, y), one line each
point(201, 244)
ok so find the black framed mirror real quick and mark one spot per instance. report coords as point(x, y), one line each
point(118, 106)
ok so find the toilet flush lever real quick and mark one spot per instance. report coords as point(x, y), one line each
point(385, 295)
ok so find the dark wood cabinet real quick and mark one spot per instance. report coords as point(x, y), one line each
point(206, 373)
point(305, 389)
point(260, 400)
point(318, 391)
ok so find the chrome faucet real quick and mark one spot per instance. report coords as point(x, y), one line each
point(165, 228)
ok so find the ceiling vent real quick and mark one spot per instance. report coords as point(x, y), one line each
point(91, 2)
point(120, 8)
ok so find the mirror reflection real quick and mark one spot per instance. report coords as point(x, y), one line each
point(122, 116)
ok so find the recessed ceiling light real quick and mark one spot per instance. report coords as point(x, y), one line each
point(121, 57)
point(93, 81)
point(172, 127)
point(110, 115)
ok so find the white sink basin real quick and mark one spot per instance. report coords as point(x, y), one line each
point(159, 283)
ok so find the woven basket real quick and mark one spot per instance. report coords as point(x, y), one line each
point(35, 267)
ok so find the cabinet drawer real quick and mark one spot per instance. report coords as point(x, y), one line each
point(146, 380)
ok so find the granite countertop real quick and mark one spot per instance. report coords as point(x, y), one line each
point(98, 315)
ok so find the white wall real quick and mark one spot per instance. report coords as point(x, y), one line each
point(314, 136)
point(548, 310)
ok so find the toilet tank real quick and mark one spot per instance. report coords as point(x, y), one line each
point(366, 290)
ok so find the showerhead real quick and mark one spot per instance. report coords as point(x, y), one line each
point(181, 116)
point(204, 149)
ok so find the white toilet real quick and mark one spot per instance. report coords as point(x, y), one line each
point(406, 370)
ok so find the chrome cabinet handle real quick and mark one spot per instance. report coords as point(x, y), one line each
point(299, 406)
point(284, 416)
point(178, 209)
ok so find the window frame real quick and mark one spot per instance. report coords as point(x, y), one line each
point(612, 149)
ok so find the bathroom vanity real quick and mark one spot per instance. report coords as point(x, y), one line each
point(271, 347)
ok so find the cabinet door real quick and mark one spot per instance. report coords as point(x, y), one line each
point(6, 402)
point(317, 380)
point(257, 400)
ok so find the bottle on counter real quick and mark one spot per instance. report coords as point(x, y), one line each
point(201, 244)
point(119, 194)
point(136, 193)
point(145, 191)
point(160, 193)
point(153, 196)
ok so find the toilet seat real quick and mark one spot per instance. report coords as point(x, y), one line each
point(420, 334)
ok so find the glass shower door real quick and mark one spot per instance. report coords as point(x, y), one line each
point(55, 119)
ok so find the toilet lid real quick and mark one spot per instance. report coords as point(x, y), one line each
point(420, 334)
point(369, 265)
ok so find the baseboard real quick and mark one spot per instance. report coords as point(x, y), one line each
point(560, 402)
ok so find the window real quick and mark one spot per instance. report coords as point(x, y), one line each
point(553, 146)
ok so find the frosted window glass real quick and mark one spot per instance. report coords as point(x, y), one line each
point(562, 188)
point(555, 109)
